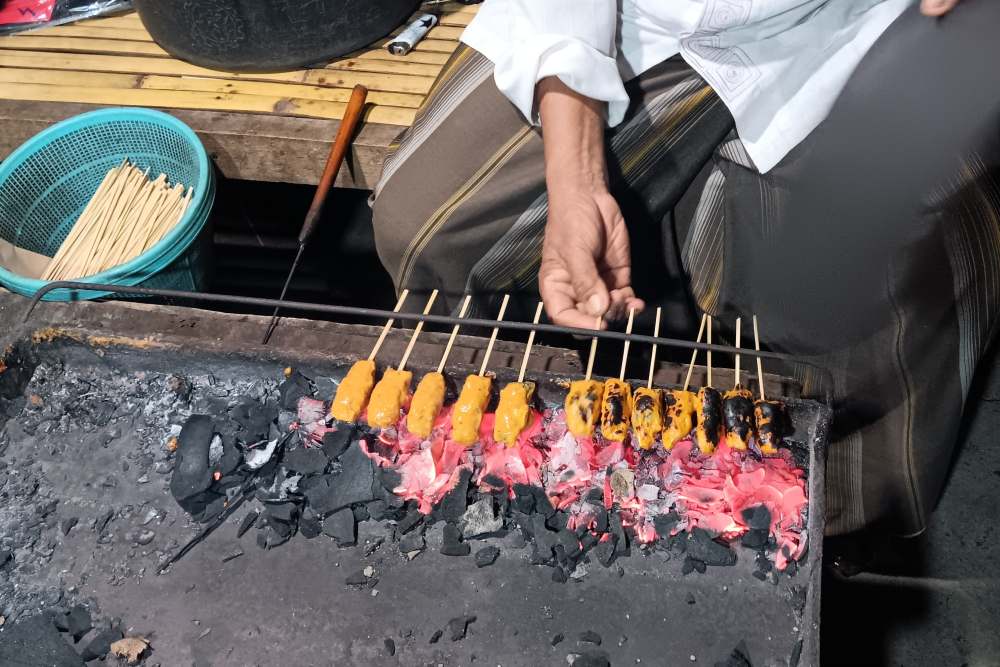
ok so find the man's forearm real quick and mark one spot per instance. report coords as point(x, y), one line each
point(573, 132)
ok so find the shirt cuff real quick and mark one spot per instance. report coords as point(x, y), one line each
point(583, 69)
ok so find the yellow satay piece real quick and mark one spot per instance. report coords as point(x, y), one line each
point(388, 397)
point(352, 394)
point(616, 410)
point(737, 410)
point(513, 412)
point(647, 415)
point(708, 430)
point(426, 404)
point(583, 407)
point(768, 416)
point(678, 416)
point(468, 411)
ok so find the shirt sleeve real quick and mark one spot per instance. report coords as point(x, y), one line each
point(529, 40)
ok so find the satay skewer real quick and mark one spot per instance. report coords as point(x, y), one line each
point(354, 389)
point(616, 405)
point(679, 409)
point(708, 353)
point(391, 392)
point(760, 365)
point(647, 403)
point(593, 351)
point(428, 399)
point(652, 356)
point(709, 429)
point(694, 353)
point(736, 369)
point(583, 400)
point(769, 416)
point(467, 414)
point(514, 409)
point(737, 404)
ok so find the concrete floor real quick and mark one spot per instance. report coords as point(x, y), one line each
point(934, 600)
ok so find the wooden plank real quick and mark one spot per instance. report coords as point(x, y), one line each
point(183, 99)
point(58, 78)
point(433, 45)
point(84, 29)
point(387, 67)
point(82, 45)
point(428, 58)
point(244, 146)
point(397, 83)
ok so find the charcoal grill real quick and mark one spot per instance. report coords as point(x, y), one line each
point(290, 605)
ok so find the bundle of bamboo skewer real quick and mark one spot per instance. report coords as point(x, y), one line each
point(127, 216)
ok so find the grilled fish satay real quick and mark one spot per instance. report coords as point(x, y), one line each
point(678, 416)
point(616, 410)
point(388, 397)
point(709, 430)
point(647, 415)
point(425, 405)
point(770, 419)
point(738, 411)
point(468, 410)
point(352, 394)
point(513, 412)
point(583, 407)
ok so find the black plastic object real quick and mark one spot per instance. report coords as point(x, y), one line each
point(268, 35)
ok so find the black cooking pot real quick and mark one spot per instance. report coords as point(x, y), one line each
point(268, 35)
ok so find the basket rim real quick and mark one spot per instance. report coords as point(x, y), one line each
point(130, 273)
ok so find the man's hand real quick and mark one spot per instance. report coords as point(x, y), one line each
point(586, 259)
point(937, 7)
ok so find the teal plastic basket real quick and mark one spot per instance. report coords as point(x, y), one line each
point(46, 183)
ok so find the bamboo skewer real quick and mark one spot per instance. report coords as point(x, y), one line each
point(760, 366)
point(652, 357)
point(708, 339)
point(454, 335)
point(739, 325)
point(531, 342)
point(493, 336)
point(388, 325)
point(416, 332)
point(628, 332)
point(593, 350)
point(694, 353)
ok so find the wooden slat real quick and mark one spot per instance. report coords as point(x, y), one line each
point(85, 29)
point(82, 45)
point(435, 45)
point(397, 83)
point(428, 58)
point(179, 99)
point(388, 67)
point(62, 78)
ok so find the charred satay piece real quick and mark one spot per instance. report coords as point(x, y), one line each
point(390, 394)
point(737, 405)
point(353, 391)
point(428, 399)
point(679, 412)
point(616, 406)
point(647, 403)
point(769, 416)
point(709, 429)
point(475, 396)
point(583, 400)
point(514, 409)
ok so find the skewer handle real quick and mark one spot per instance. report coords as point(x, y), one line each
point(760, 365)
point(739, 325)
point(388, 325)
point(652, 357)
point(628, 332)
point(593, 350)
point(416, 332)
point(694, 353)
point(493, 336)
point(454, 334)
point(531, 342)
point(708, 339)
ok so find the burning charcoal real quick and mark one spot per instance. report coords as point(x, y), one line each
point(479, 520)
point(247, 523)
point(436, 637)
point(454, 503)
point(702, 547)
point(557, 638)
point(356, 579)
point(192, 474)
point(390, 647)
point(605, 552)
point(388, 479)
point(559, 575)
point(615, 528)
point(569, 542)
point(67, 524)
point(458, 627)
point(758, 517)
point(306, 460)
point(557, 521)
point(601, 520)
point(100, 645)
point(412, 519)
point(34, 640)
point(376, 510)
point(487, 556)
point(740, 657)
point(341, 527)
point(453, 545)
point(292, 389)
point(590, 637)
point(754, 539)
point(283, 512)
point(542, 503)
point(310, 527)
point(336, 442)
point(78, 622)
point(524, 498)
point(411, 543)
point(665, 524)
point(588, 541)
point(591, 659)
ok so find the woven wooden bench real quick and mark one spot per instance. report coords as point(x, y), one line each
point(266, 127)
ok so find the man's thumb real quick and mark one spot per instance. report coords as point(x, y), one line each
point(590, 290)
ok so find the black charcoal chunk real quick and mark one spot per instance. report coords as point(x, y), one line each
point(100, 645)
point(341, 527)
point(689, 598)
point(487, 556)
point(559, 575)
point(353, 484)
point(34, 640)
point(557, 521)
point(412, 542)
point(283, 512)
point(231, 459)
point(67, 524)
point(360, 513)
point(376, 510)
point(761, 576)
point(557, 638)
point(699, 566)
point(688, 566)
point(247, 523)
point(568, 541)
point(605, 552)
point(754, 539)
point(459, 626)
point(664, 524)
point(601, 520)
point(524, 499)
point(306, 460)
point(454, 504)
point(292, 389)
point(356, 579)
point(412, 519)
point(757, 517)
point(545, 540)
point(480, 520)
point(616, 529)
point(590, 637)
point(591, 659)
point(436, 636)
point(542, 503)
point(336, 442)
point(192, 474)
point(310, 527)
point(6, 556)
point(740, 657)
point(390, 647)
point(588, 541)
point(702, 547)
point(453, 545)
point(78, 622)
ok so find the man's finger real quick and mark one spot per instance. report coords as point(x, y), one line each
point(937, 7)
point(588, 285)
point(560, 302)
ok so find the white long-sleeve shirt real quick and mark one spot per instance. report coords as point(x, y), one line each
point(778, 65)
